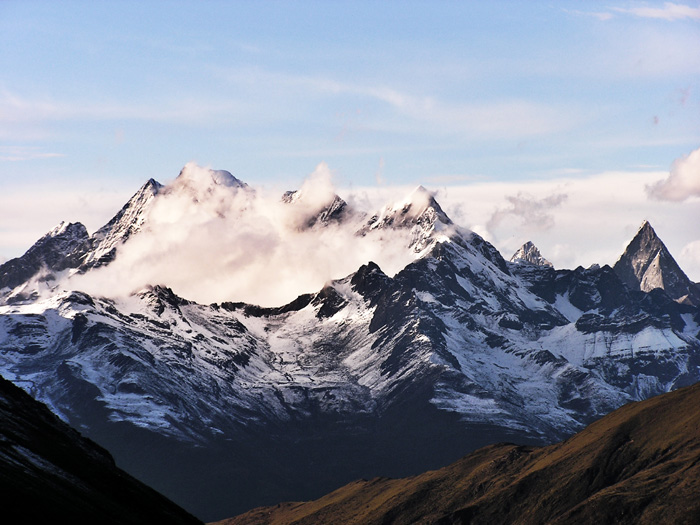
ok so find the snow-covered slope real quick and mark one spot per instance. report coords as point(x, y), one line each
point(459, 348)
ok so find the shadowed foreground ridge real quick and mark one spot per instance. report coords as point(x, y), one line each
point(50, 473)
point(640, 464)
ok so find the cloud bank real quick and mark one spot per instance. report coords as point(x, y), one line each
point(211, 240)
point(682, 182)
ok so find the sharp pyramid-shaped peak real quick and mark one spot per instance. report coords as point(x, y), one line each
point(528, 253)
point(646, 264)
point(418, 206)
point(125, 223)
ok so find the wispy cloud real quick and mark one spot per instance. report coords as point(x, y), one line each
point(600, 15)
point(16, 109)
point(670, 11)
point(532, 211)
point(496, 118)
point(689, 258)
point(453, 178)
point(23, 153)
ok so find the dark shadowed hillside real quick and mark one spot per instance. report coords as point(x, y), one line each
point(49, 473)
point(640, 464)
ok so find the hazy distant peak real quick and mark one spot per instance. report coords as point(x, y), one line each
point(528, 253)
point(194, 175)
point(323, 210)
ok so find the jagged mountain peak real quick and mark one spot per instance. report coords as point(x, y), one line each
point(528, 253)
point(123, 225)
point(419, 212)
point(646, 264)
point(418, 208)
point(57, 250)
point(417, 203)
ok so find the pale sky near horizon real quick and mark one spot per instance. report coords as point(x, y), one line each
point(534, 109)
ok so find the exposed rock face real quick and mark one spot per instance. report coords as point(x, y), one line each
point(49, 473)
point(646, 264)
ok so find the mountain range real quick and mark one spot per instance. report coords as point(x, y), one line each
point(226, 405)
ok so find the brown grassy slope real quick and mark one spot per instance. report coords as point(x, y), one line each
point(640, 464)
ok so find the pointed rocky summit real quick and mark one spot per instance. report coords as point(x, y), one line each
point(646, 264)
point(529, 254)
point(125, 223)
point(59, 249)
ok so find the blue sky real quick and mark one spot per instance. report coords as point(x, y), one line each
point(96, 97)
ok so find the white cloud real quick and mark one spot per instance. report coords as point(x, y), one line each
point(683, 181)
point(21, 110)
point(689, 259)
point(213, 243)
point(528, 210)
point(600, 15)
point(379, 175)
point(670, 11)
point(500, 118)
point(23, 153)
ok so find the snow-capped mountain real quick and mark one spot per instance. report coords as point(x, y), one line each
point(62, 247)
point(130, 219)
point(647, 264)
point(420, 214)
point(528, 253)
point(372, 374)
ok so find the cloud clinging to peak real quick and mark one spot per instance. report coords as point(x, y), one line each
point(211, 242)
